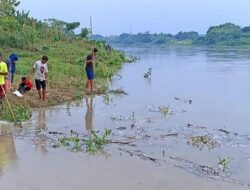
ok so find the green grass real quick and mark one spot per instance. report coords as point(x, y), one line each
point(21, 112)
point(67, 76)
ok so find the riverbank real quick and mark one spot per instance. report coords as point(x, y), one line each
point(66, 74)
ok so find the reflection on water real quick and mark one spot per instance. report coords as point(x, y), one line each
point(41, 119)
point(89, 113)
point(41, 140)
point(7, 149)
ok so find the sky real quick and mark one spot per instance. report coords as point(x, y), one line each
point(113, 17)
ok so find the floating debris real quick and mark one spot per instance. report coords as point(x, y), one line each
point(202, 141)
point(184, 100)
point(54, 133)
point(200, 170)
point(224, 131)
point(164, 110)
point(117, 118)
point(139, 154)
point(74, 133)
point(131, 59)
point(132, 125)
point(118, 91)
point(169, 135)
point(121, 128)
point(131, 118)
point(148, 74)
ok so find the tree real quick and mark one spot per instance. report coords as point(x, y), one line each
point(246, 29)
point(225, 34)
point(187, 35)
point(84, 33)
point(8, 7)
point(55, 23)
point(72, 26)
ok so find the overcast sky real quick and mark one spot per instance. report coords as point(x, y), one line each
point(118, 16)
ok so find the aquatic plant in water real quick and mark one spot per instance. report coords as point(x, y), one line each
point(72, 143)
point(96, 142)
point(164, 110)
point(131, 59)
point(93, 143)
point(224, 163)
point(202, 141)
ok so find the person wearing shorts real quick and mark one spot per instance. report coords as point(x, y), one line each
point(89, 68)
point(41, 76)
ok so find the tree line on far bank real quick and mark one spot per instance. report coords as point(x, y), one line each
point(223, 35)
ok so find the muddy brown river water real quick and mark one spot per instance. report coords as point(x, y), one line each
point(206, 94)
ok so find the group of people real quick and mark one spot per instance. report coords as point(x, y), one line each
point(40, 68)
point(8, 70)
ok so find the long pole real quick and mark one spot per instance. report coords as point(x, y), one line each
point(13, 115)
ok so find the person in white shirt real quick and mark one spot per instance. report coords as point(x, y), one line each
point(41, 76)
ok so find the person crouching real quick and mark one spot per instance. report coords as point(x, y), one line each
point(25, 85)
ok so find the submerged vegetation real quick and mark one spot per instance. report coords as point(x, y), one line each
point(223, 35)
point(224, 163)
point(164, 110)
point(203, 141)
point(93, 143)
point(96, 142)
point(31, 38)
point(72, 143)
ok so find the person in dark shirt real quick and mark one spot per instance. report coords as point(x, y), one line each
point(89, 68)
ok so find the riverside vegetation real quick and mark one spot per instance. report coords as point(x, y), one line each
point(222, 35)
point(31, 38)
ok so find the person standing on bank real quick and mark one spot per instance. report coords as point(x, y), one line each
point(3, 73)
point(11, 64)
point(89, 68)
point(41, 76)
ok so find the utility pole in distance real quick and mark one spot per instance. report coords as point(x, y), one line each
point(91, 27)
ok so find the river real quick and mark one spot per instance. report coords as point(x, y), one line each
point(205, 93)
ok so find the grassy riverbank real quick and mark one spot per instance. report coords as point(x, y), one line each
point(31, 39)
point(66, 74)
